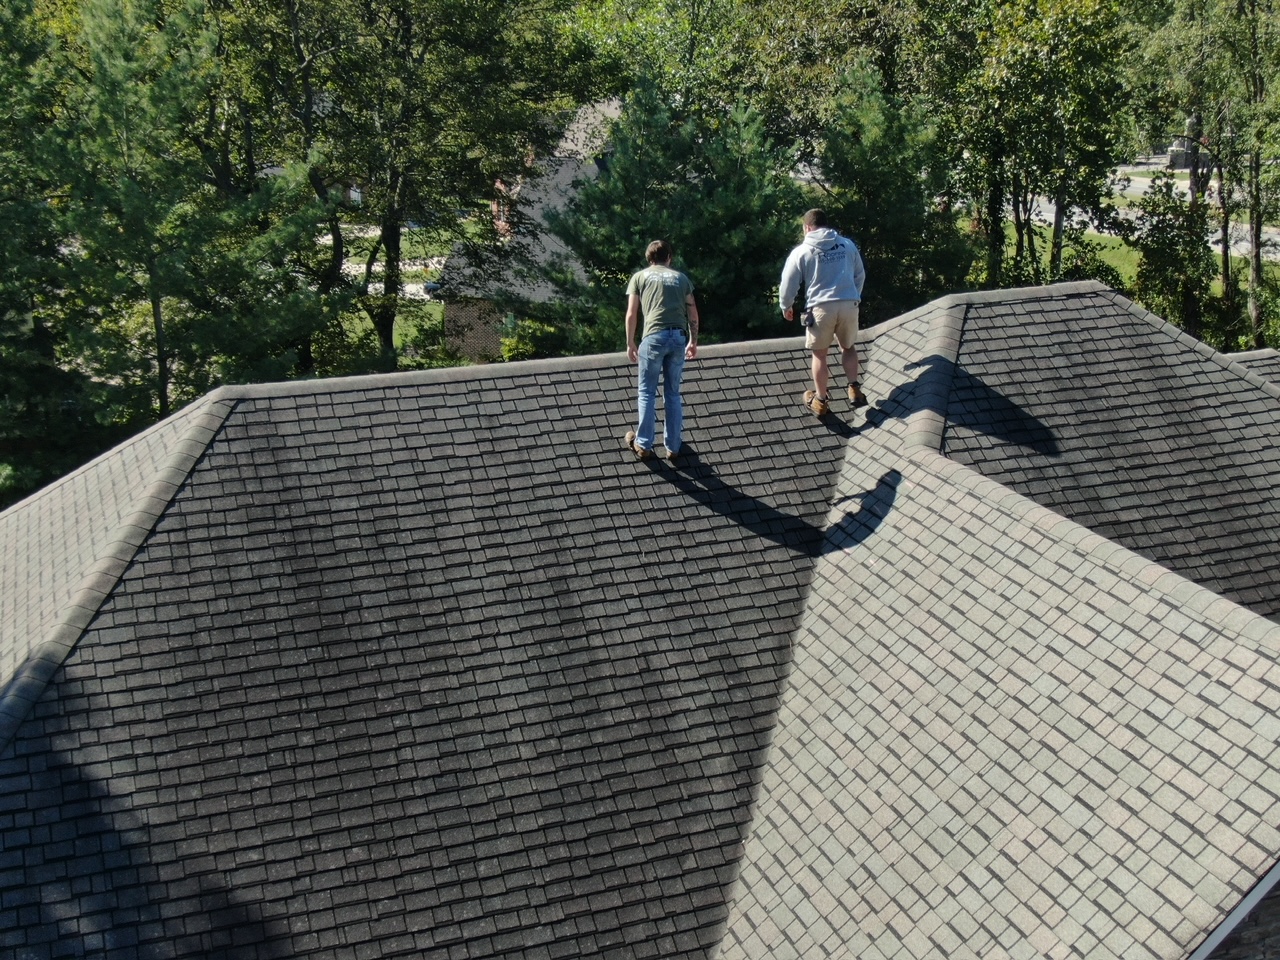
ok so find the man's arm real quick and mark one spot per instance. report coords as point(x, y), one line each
point(859, 271)
point(789, 286)
point(633, 321)
point(691, 350)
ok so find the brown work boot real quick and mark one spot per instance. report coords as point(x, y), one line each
point(640, 452)
point(856, 396)
point(817, 405)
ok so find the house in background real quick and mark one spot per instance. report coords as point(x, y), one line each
point(428, 665)
point(474, 315)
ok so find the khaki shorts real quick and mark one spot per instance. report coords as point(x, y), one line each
point(834, 320)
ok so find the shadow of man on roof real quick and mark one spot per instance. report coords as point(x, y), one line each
point(697, 480)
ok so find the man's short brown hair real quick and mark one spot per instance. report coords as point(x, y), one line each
point(815, 218)
point(658, 252)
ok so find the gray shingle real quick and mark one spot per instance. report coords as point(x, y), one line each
point(427, 665)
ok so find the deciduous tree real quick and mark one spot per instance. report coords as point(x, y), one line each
point(1176, 265)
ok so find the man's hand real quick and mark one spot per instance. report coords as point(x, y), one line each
point(632, 353)
point(789, 314)
point(691, 351)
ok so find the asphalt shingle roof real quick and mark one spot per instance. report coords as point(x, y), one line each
point(1265, 363)
point(427, 665)
point(1130, 427)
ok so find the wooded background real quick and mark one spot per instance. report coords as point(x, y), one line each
point(197, 193)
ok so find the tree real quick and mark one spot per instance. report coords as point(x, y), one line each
point(1176, 264)
point(133, 176)
point(1042, 115)
point(433, 109)
point(1251, 38)
point(713, 185)
point(192, 263)
point(688, 48)
point(881, 174)
point(46, 420)
point(1218, 63)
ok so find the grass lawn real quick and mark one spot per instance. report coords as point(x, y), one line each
point(1121, 257)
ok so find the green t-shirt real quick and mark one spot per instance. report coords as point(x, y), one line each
point(664, 294)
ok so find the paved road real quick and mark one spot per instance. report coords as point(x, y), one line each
point(1140, 178)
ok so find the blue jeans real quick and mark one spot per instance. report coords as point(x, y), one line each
point(661, 353)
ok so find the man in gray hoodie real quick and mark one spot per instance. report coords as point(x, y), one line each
point(829, 269)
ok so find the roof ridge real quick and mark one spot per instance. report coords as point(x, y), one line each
point(29, 679)
point(946, 317)
point(1258, 354)
point(1184, 592)
point(1229, 361)
point(925, 424)
point(486, 371)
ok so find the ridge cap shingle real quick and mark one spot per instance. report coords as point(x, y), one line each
point(926, 424)
point(486, 371)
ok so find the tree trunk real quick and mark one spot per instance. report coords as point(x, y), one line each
point(383, 309)
point(1059, 219)
point(1224, 213)
point(331, 278)
point(1256, 318)
point(162, 348)
point(1028, 224)
point(1191, 306)
point(1256, 81)
point(1019, 228)
point(995, 231)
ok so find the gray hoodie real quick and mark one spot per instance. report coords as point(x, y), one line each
point(827, 265)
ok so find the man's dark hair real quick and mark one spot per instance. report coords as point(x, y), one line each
point(815, 218)
point(658, 252)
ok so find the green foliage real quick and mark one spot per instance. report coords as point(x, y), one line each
point(422, 343)
point(690, 48)
point(1038, 110)
point(1085, 259)
point(528, 339)
point(191, 268)
point(709, 182)
point(438, 106)
point(1176, 265)
point(176, 175)
point(883, 174)
point(1215, 69)
point(47, 422)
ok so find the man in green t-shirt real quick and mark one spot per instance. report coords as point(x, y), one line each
point(664, 297)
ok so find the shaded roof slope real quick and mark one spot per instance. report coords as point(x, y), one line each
point(1096, 409)
point(426, 666)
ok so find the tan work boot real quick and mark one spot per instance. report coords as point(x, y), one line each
point(817, 405)
point(641, 452)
